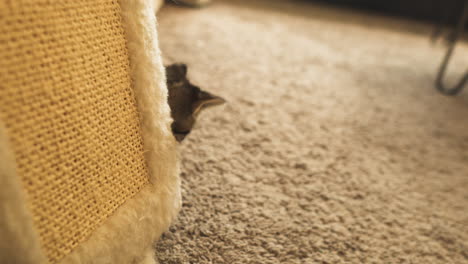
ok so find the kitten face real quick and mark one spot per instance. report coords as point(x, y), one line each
point(186, 100)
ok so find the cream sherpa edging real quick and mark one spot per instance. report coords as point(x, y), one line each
point(127, 235)
point(157, 5)
point(19, 243)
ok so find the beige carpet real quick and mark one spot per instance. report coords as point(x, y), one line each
point(334, 147)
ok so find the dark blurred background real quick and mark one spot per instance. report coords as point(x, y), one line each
point(436, 11)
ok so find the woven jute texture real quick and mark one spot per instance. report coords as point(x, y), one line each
point(70, 113)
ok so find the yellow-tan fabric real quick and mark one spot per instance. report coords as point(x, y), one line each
point(69, 111)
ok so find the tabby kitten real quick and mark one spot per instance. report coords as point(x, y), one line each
point(186, 100)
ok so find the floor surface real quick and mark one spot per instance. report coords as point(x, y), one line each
point(334, 146)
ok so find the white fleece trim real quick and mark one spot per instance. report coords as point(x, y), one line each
point(126, 236)
point(149, 257)
point(19, 243)
point(158, 4)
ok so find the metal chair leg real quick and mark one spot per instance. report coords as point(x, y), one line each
point(443, 67)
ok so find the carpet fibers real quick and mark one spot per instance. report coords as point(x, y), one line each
point(334, 146)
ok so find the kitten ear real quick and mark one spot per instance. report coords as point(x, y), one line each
point(205, 100)
point(176, 71)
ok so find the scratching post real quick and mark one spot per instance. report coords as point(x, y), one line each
point(89, 169)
